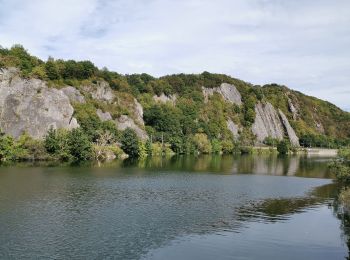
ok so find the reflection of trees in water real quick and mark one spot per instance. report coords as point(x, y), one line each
point(243, 164)
point(274, 210)
point(344, 217)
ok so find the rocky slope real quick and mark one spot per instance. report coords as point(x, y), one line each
point(30, 106)
point(69, 94)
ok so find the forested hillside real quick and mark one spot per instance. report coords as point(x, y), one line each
point(183, 113)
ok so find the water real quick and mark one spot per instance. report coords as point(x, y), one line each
point(246, 207)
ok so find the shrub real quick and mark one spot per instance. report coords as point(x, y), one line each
point(283, 147)
point(202, 143)
point(130, 143)
point(80, 148)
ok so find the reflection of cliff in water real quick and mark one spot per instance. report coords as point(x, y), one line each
point(247, 164)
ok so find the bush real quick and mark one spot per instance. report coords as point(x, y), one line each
point(80, 148)
point(283, 147)
point(130, 143)
point(216, 146)
point(202, 143)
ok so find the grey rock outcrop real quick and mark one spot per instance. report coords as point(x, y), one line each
point(293, 109)
point(73, 94)
point(165, 99)
point(138, 112)
point(227, 91)
point(267, 122)
point(293, 138)
point(103, 116)
point(30, 106)
point(270, 123)
point(100, 91)
point(233, 128)
point(124, 122)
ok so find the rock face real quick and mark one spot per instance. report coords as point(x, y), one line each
point(73, 94)
point(124, 122)
point(293, 138)
point(233, 128)
point(103, 116)
point(267, 122)
point(29, 106)
point(138, 112)
point(100, 91)
point(229, 93)
point(164, 99)
point(293, 109)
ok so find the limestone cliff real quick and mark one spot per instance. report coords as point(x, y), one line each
point(30, 106)
point(293, 138)
point(227, 91)
point(124, 122)
point(165, 99)
point(267, 122)
point(270, 123)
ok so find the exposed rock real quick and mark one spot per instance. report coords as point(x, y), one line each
point(100, 91)
point(294, 140)
point(29, 106)
point(103, 116)
point(233, 128)
point(267, 122)
point(293, 109)
point(124, 122)
point(138, 112)
point(319, 127)
point(229, 93)
point(164, 98)
point(73, 94)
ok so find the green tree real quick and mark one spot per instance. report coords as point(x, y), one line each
point(130, 143)
point(52, 69)
point(283, 147)
point(80, 146)
point(202, 143)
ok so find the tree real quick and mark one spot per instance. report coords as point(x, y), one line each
point(79, 145)
point(130, 143)
point(283, 147)
point(202, 143)
point(52, 69)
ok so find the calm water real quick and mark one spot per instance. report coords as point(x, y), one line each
point(247, 207)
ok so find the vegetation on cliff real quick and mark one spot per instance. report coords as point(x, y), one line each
point(185, 123)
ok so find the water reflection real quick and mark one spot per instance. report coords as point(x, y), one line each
point(127, 209)
point(297, 165)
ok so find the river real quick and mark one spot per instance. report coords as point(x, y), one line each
point(205, 207)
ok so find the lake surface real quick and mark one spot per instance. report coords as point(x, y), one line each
point(244, 207)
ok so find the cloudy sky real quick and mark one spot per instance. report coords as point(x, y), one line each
point(304, 44)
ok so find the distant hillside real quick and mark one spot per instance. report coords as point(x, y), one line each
point(212, 109)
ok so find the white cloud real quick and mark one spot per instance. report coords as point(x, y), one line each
point(302, 44)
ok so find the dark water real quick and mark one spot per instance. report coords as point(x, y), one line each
point(247, 207)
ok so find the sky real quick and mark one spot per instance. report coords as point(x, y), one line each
point(303, 44)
